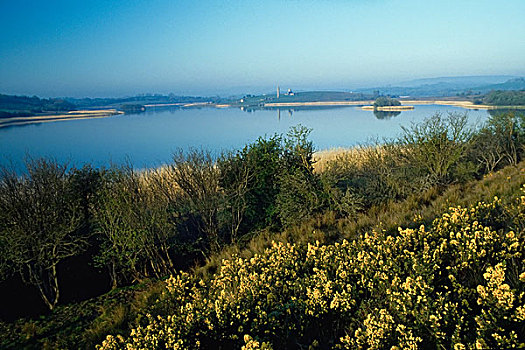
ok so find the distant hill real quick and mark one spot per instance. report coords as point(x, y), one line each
point(512, 84)
point(449, 86)
point(461, 81)
point(143, 99)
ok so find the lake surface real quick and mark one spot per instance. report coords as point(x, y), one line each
point(148, 139)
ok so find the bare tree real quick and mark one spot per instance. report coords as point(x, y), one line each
point(197, 176)
point(39, 224)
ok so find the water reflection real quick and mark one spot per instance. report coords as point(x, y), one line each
point(386, 114)
point(382, 115)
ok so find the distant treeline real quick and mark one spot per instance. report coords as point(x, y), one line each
point(442, 89)
point(505, 98)
point(139, 99)
point(25, 106)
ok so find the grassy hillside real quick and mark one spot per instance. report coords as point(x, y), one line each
point(458, 283)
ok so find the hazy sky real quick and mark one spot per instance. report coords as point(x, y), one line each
point(115, 48)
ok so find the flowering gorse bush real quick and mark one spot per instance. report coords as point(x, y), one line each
point(457, 284)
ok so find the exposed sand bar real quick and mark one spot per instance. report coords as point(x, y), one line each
point(387, 108)
point(73, 115)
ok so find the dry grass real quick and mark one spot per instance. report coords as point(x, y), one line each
point(354, 156)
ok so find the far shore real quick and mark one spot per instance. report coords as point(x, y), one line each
point(73, 115)
point(364, 104)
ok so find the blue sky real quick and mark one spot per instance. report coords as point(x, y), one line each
point(116, 48)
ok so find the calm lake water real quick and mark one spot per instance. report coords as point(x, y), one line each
point(148, 139)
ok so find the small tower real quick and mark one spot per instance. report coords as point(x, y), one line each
point(278, 91)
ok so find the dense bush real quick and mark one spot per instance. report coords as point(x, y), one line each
point(384, 101)
point(505, 98)
point(456, 284)
point(31, 105)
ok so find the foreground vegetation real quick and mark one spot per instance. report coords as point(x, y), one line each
point(222, 214)
point(459, 283)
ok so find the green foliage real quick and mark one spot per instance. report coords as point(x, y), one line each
point(277, 182)
point(506, 98)
point(301, 192)
point(31, 105)
point(263, 158)
point(384, 101)
point(458, 283)
point(86, 183)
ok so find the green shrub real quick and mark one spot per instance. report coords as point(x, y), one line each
point(384, 101)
